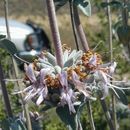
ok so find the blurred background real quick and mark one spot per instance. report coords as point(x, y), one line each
point(96, 30)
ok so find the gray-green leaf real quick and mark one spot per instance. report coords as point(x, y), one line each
point(69, 62)
point(2, 36)
point(67, 117)
point(112, 3)
point(60, 3)
point(8, 46)
point(84, 6)
point(122, 97)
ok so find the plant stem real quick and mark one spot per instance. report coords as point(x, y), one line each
point(125, 16)
point(107, 114)
point(6, 18)
point(25, 107)
point(5, 93)
point(90, 115)
point(125, 13)
point(29, 124)
point(79, 29)
point(55, 32)
point(73, 23)
point(114, 111)
point(111, 58)
point(85, 46)
point(110, 32)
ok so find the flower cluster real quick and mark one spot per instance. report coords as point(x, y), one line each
point(81, 74)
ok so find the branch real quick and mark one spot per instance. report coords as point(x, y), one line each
point(55, 32)
point(80, 30)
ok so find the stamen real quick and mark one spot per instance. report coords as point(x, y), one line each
point(119, 87)
point(97, 45)
point(114, 91)
point(118, 81)
point(13, 80)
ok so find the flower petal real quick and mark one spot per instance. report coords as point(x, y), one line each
point(93, 60)
point(43, 73)
point(81, 86)
point(30, 72)
point(105, 89)
point(63, 79)
point(67, 99)
point(112, 67)
point(40, 99)
point(65, 55)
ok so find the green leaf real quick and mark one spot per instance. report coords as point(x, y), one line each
point(115, 3)
point(71, 119)
point(2, 36)
point(60, 3)
point(104, 4)
point(84, 6)
point(112, 3)
point(21, 124)
point(8, 46)
point(45, 108)
point(123, 33)
point(128, 7)
point(122, 110)
point(5, 124)
point(13, 124)
point(68, 118)
point(122, 97)
point(117, 25)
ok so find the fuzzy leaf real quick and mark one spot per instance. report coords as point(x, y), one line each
point(67, 117)
point(57, 69)
point(65, 55)
point(84, 6)
point(44, 61)
point(42, 65)
point(72, 54)
point(77, 56)
point(69, 62)
point(8, 46)
point(51, 58)
point(72, 120)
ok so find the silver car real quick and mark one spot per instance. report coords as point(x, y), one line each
point(28, 37)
